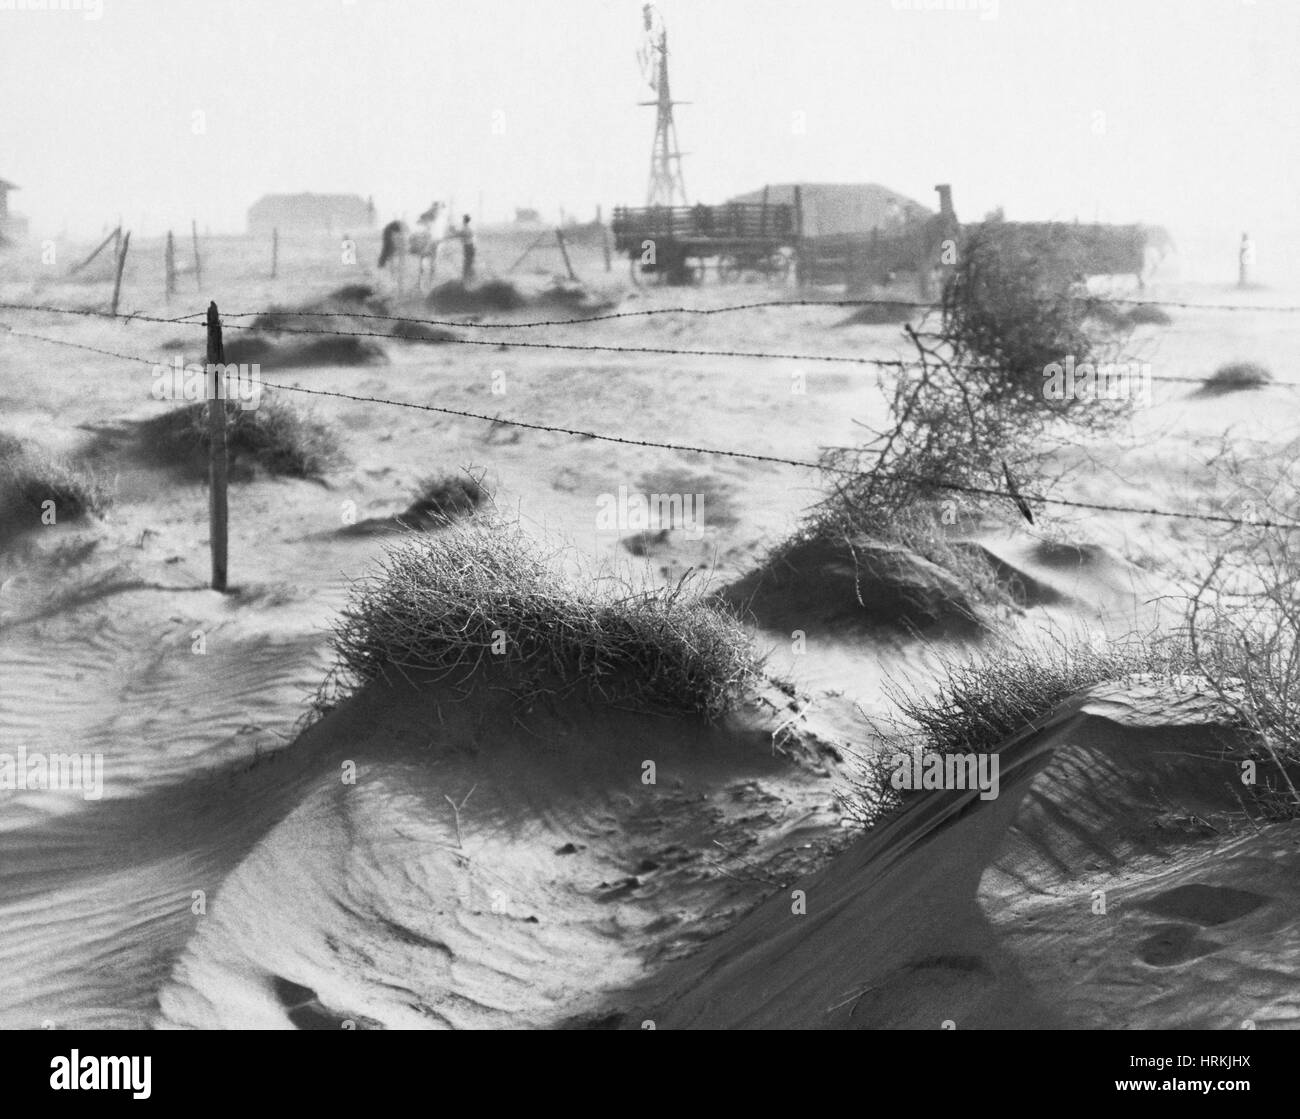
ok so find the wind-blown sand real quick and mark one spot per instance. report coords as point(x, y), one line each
point(986, 914)
point(572, 893)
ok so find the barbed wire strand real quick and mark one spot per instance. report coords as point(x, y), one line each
point(643, 312)
point(826, 468)
point(581, 320)
point(74, 345)
point(882, 363)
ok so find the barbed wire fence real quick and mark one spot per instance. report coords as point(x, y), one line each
point(281, 314)
point(215, 392)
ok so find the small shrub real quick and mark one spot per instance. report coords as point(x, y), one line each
point(1244, 614)
point(881, 312)
point(494, 295)
point(410, 331)
point(1148, 314)
point(442, 603)
point(30, 476)
point(279, 437)
point(439, 500)
point(905, 576)
point(1238, 376)
point(981, 703)
point(1011, 306)
point(974, 405)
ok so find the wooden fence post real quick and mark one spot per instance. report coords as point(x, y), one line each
point(801, 270)
point(605, 238)
point(275, 251)
point(218, 467)
point(198, 261)
point(559, 236)
point(169, 264)
point(121, 263)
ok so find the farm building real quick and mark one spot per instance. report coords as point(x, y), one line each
point(327, 214)
point(831, 232)
point(835, 209)
point(12, 226)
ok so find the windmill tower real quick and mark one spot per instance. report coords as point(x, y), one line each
point(667, 188)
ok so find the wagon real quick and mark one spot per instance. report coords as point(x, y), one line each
point(681, 244)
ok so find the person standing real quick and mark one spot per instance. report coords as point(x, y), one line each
point(1245, 261)
point(469, 250)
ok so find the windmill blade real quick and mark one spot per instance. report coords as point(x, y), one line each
point(649, 65)
point(651, 45)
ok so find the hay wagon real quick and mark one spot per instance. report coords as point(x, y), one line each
point(1088, 249)
point(681, 243)
point(925, 247)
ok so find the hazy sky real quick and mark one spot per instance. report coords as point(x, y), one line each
point(1182, 111)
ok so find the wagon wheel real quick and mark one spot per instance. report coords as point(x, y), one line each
point(728, 268)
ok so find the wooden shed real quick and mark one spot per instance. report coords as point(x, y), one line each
point(330, 215)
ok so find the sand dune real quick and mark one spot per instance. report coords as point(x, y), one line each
point(573, 894)
point(981, 914)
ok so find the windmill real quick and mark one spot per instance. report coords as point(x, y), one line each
point(666, 184)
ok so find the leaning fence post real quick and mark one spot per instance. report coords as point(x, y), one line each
point(559, 236)
point(275, 251)
point(117, 278)
point(98, 249)
point(217, 465)
point(198, 262)
point(604, 238)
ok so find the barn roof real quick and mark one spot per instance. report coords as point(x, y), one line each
point(834, 208)
point(308, 200)
point(309, 211)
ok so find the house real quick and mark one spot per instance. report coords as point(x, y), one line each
point(330, 215)
point(836, 209)
point(13, 227)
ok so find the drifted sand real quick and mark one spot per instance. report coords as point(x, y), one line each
point(987, 915)
point(574, 894)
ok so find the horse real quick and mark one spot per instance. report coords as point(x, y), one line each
point(423, 243)
point(426, 240)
